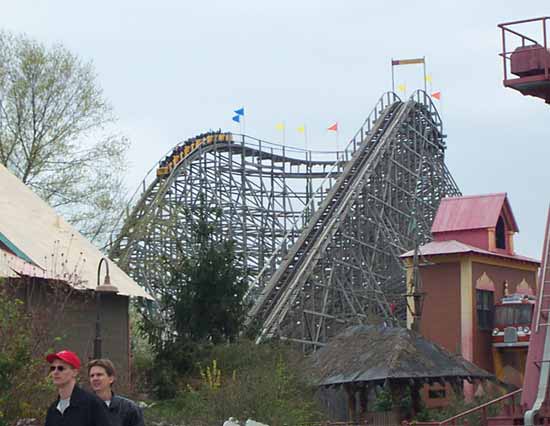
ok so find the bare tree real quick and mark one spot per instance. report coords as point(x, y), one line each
point(53, 121)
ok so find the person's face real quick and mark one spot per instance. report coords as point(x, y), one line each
point(99, 379)
point(62, 373)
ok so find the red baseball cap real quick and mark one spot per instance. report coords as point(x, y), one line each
point(66, 356)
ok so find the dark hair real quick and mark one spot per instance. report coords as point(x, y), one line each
point(105, 363)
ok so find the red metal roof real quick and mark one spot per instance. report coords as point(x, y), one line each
point(473, 212)
point(435, 248)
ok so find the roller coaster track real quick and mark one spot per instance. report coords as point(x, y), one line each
point(320, 237)
point(261, 190)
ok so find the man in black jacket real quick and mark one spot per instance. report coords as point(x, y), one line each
point(74, 406)
point(122, 411)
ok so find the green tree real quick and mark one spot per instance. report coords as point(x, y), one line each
point(203, 304)
point(210, 290)
point(53, 121)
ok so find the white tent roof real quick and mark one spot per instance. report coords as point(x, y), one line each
point(49, 246)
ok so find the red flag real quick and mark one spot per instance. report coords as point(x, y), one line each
point(334, 127)
point(436, 95)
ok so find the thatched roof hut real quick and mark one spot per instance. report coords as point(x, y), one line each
point(366, 355)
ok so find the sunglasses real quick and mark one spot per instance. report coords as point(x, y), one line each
point(57, 367)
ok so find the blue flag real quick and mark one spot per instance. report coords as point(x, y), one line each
point(240, 111)
point(237, 118)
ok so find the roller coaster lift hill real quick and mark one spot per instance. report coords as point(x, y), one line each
point(319, 238)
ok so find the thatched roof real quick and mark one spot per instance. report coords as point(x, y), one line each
point(376, 353)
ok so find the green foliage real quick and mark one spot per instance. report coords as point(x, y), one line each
point(211, 288)
point(384, 401)
point(458, 405)
point(201, 305)
point(21, 371)
point(203, 300)
point(261, 382)
point(53, 133)
point(172, 363)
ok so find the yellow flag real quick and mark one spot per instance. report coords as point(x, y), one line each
point(301, 129)
point(280, 126)
point(402, 88)
point(428, 78)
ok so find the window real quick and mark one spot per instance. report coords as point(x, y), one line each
point(484, 301)
point(436, 393)
point(513, 315)
point(500, 234)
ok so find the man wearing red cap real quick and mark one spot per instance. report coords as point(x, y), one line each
point(74, 406)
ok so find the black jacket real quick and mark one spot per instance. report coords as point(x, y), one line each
point(124, 412)
point(85, 409)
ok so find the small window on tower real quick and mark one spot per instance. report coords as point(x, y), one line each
point(500, 234)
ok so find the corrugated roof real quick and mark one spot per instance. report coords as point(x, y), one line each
point(472, 212)
point(367, 353)
point(435, 248)
point(51, 243)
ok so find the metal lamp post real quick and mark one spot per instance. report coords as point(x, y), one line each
point(106, 287)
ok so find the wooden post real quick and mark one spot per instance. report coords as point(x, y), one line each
point(350, 390)
point(363, 402)
point(396, 390)
point(416, 399)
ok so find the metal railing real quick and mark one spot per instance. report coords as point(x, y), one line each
point(482, 411)
point(521, 40)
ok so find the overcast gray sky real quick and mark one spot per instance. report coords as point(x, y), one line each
point(173, 69)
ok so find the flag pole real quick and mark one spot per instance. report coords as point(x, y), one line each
point(338, 141)
point(425, 82)
point(392, 77)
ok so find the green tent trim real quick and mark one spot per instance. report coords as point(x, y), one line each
point(14, 249)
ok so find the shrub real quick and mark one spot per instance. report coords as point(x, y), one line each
point(24, 389)
point(458, 405)
point(262, 382)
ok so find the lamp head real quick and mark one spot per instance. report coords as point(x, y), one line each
point(107, 287)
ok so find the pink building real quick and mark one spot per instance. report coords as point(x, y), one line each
point(470, 265)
